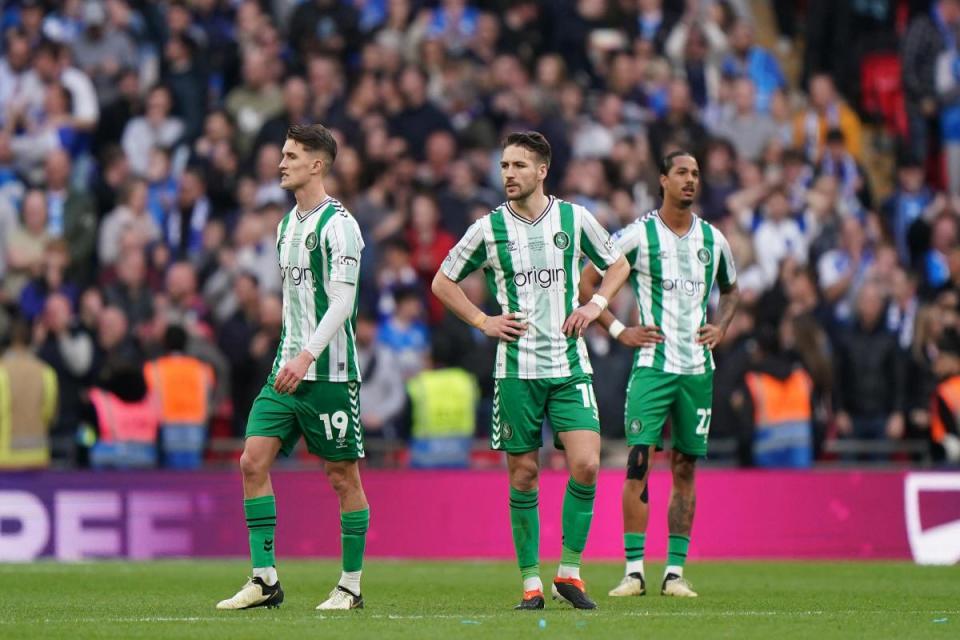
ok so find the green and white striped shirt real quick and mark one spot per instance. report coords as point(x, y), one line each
point(672, 277)
point(533, 267)
point(317, 248)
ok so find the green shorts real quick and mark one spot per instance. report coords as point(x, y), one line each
point(519, 407)
point(653, 395)
point(327, 414)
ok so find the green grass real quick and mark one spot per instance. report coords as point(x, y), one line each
point(462, 600)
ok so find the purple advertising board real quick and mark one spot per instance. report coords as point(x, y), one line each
point(453, 514)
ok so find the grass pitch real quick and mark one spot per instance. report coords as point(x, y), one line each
point(462, 600)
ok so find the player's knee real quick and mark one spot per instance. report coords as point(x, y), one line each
point(252, 465)
point(638, 462)
point(524, 478)
point(341, 480)
point(585, 471)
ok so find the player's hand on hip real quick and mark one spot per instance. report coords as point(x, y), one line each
point(580, 319)
point(292, 373)
point(709, 335)
point(641, 336)
point(507, 327)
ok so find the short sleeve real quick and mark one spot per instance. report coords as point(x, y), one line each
point(343, 246)
point(596, 243)
point(726, 269)
point(628, 241)
point(467, 256)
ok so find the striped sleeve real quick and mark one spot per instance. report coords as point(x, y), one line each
point(343, 244)
point(467, 256)
point(726, 270)
point(596, 243)
point(628, 241)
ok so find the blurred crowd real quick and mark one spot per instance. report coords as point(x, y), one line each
point(140, 196)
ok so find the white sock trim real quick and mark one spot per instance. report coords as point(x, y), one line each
point(532, 584)
point(673, 569)
point(634, 566)
point(267, 574)
point(568, 571)
point(350, 580)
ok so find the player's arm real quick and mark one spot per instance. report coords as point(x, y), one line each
point(507, 326)
point(634, 336)
point(711, 334)
point(602, 250)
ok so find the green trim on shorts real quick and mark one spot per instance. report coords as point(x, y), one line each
point(519, 407)
point(687, 400)
point(326, 414)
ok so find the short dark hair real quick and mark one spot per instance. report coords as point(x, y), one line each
point(666, 163)
point(175, 338)
point(314, 137)
point(532, 141)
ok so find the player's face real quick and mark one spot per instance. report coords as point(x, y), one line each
point(298, 166)
point(681, 183)
point(522, 172)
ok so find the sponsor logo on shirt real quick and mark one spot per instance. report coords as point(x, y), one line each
point(544, 278)
point(688, 287)
point(348, 261)
point(297, 276)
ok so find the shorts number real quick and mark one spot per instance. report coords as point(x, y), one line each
point(703, 428)
point(589, 399)
point(340, 423)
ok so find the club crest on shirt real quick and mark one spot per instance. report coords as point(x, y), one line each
point(703, 255)
point(311, 242)
point(561, 240)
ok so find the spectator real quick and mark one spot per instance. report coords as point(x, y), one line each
point(126, 418)
point(71, 214)
point(30, 388)
point(826, 111)
point(25, 245)
point(945, 402)
point(184, 221)
point(326, 26)
point(52, 280)
point(429, 245)
point(131, 215)
point(903, 308)
point(870, 400)
point(254, 102)
point(188, 85)
point(186, 307)
point(778, 237)
point(131, 293)
point(943, 237)
point(117, 113)
point(405, 334)
point(747, 59)
point(103, 52)
point(842, 271)
point(679, 126)
point(62, 344)
point(907, 209)
point(114, 344)
point(296, 103)
point(183, 386)
point(836, 161)
point(748, 129)
point(418, 118)
point(235, 340)
point(382, 396)
point(156, 128)
point(928, 36)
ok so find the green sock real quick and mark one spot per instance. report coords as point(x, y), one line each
point(633, 544)
point(353, 538)
point(577, 514)
point(525, 522)
point(261, 514)
point(677, 546)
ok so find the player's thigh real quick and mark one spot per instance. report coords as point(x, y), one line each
point(650, 393)
point(518, 410)
point(274, 415)
point(329, 417)
point(572, 406)
point(691, 414)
